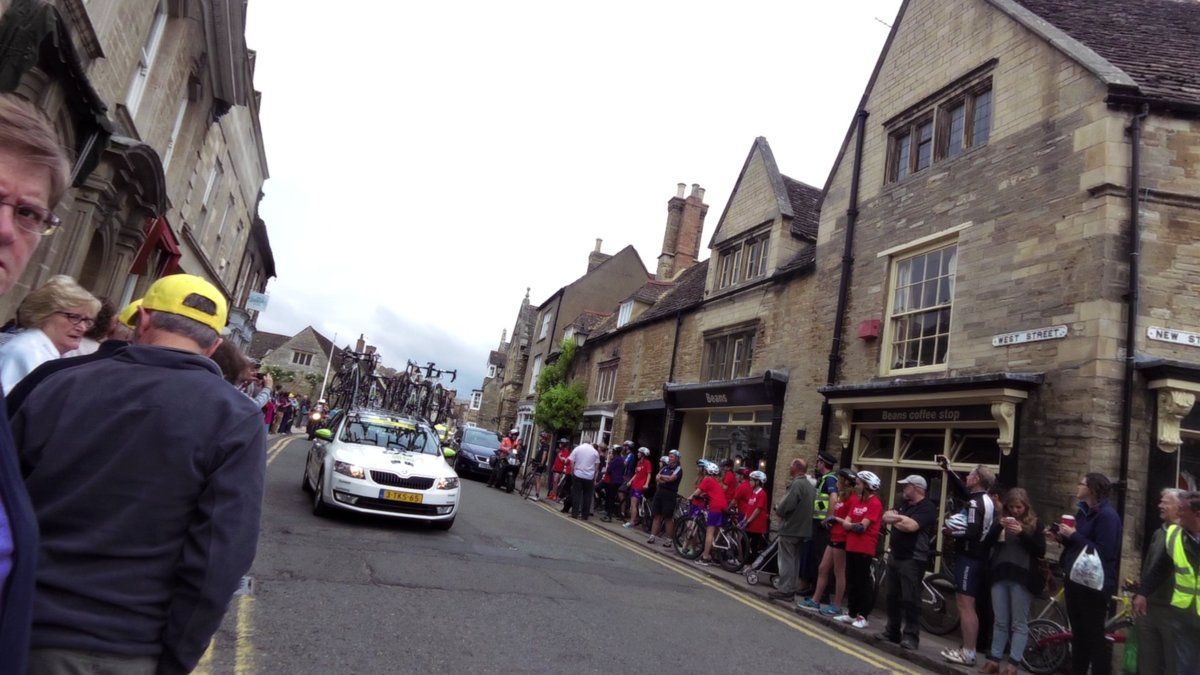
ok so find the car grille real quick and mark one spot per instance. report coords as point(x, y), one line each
point(396, 507)
point(391, 479)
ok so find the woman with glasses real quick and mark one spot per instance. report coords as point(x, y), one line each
point(55, 318)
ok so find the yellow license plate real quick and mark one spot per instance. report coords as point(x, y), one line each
point(401, 496)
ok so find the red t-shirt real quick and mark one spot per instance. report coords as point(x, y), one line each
point(741, 497)
point(836, 531)
point(729, 480)
point(715, 493)
point(858, 511)
point(641, 475)
point(560, 462)
point(757, 500)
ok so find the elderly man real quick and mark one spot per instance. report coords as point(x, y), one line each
point(796, 513)
point(166, 464)
point(34, 173)
point(1177, 567)
point(1155, 652)
point(584, 461)
point(914, 527)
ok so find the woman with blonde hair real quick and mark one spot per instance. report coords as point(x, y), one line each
point(1017, 542)
point(55, 317)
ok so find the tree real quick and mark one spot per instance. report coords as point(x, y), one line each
point(560, 403)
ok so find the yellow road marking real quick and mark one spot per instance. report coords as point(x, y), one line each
point(841, 644)
point(205, 665)
point(244, 651)
point(277, 448)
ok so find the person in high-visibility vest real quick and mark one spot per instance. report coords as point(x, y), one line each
point(1180, 566)
point(823, 505)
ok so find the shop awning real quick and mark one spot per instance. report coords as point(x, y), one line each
point(646, 406)
point(763, 390)
point(159, 238)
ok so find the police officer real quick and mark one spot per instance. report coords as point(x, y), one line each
point(827, 498)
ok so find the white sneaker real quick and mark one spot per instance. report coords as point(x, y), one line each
point(651, 540)
point(627, 525)
point(860, 622)
point(536, 498)
point(843, 618)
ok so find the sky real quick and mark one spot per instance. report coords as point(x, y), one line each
point(431, 161)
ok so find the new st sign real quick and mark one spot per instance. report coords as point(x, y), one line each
point(1179, 337)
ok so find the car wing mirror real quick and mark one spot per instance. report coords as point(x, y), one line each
point(448, 452)
point(324, 434)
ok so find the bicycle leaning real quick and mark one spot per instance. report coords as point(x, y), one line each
point(729, 543)
point(1049, 646)
point(939, 610)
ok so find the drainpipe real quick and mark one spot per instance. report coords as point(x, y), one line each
point(839, 320)
point(675, 345)
point(669, 414)
point(1131, 305)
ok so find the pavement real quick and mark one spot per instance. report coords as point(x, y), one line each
point(512, 587)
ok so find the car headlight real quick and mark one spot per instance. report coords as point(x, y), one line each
point(348, 469)
point(316, 417)
point(447, 483)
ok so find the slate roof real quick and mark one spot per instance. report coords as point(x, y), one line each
point(688, 292)
point(806, 207)
point(498, 358)
point(801, 261)
point(263, 342)
point(651, 291)
point(588, 320)
point(1155, 42)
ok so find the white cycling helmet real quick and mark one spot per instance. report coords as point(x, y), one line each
point(711, 468)
point(871, 480)
point(514, 431)
point(644, 452)
point(674, 453)
point(758, 476)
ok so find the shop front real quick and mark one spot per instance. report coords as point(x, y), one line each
point(895, 429)
point(1174, 453)
point(732, 419)
point(646, 424)
point(597, 424)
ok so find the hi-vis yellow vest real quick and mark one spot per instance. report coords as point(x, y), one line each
point(1187, 578)
point(821, 504)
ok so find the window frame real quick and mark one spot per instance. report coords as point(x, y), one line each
point(535, 371)
point(476, 400)
point(728, 353)
point(887, 348)
point(624, 313)
point(147, 54)
point(734, 257)
point(904, 136)
point(606, 381)
point(302, 358)
point(545, 326)
point(491, 370)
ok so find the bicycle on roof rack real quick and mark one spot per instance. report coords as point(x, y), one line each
point(353, 384)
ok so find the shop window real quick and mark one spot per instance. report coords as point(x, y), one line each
point(922, 446)
point(742, 417)
point(877, 444)
point(739, 437)
point(945, 130)
point(728, 356)
point(919, 309)
point(971, 448)
point(763, 417)
point(718, 418)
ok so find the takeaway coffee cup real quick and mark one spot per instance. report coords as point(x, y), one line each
point(1069, 521)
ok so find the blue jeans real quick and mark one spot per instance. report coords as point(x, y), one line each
point(1010, 605)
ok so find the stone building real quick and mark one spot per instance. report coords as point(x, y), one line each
point(305, 355)
point(155, 100)
point(1005, 161)
point(503, 387)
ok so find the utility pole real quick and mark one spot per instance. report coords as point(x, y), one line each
point(328, 362)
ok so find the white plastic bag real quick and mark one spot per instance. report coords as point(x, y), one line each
point(1088, 571)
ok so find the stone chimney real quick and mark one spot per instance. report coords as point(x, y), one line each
point(596, 258)
point(681, 241)
point(361, 345)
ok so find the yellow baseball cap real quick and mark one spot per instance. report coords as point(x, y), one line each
point(126, 315)
point(168, 295)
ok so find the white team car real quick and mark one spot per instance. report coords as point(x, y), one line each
point(382, 463)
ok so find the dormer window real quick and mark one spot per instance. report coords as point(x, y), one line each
point(944, 130)
point(491, 370)
point(569, 333)
point(743, 260)
point(624, 313)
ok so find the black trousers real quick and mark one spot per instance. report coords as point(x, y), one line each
point(1087, 609)
point(859, 589)
point(904, 598)
point(582, 491)
point(611, 507)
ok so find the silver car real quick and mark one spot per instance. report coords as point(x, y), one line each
point(382, 463)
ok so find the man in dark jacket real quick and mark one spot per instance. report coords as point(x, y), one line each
point(34, 174)
point(140, 557)
point(795, 514)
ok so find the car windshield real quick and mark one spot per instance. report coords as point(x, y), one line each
point(389, 434)
point(482, 438)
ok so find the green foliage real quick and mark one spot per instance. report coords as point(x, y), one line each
point(280, 375)
point(313, 379)
point(560, 403)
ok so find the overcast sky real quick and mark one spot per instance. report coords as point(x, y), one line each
point(429, 161)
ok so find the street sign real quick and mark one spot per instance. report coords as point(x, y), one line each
point(257, 301)
point(1034, 335)
point(1179, 337)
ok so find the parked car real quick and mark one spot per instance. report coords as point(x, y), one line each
point(475, 451)
point(379, 462)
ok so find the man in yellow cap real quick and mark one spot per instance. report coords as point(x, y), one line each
point(140, 559)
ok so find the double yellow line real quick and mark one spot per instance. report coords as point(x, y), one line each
point(789, 619)
point(243, 646)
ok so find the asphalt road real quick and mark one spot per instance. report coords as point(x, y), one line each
point(512, 587)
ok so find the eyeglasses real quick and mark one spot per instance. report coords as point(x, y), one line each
point(33, 219)
point(78, 319)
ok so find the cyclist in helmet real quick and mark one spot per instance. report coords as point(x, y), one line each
point(638, 485)
point(712, 489)
point(757, 514)
point(667, 490)
point(559, 470)
point(539, 464)
point(510, 444)
point(834, 558)
point(862, 522)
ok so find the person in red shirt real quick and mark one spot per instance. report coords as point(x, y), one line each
point(835, 553)
point(729, 479)
point(560, 467)
point(757, 512)
point(741, 494)
point(717, 503)
point(638, 484)
point(862, 520)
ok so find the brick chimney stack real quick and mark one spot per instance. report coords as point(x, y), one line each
point(596, 258)
point(361, 345)
point(681, 241)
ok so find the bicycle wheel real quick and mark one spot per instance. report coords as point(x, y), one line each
point(729, 557)
point(526, 485)
point(1049, 647)
point(689, 539)
point(939, 607)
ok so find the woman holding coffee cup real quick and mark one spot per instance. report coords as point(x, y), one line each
point(1016, 542)
point(1097, 526)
